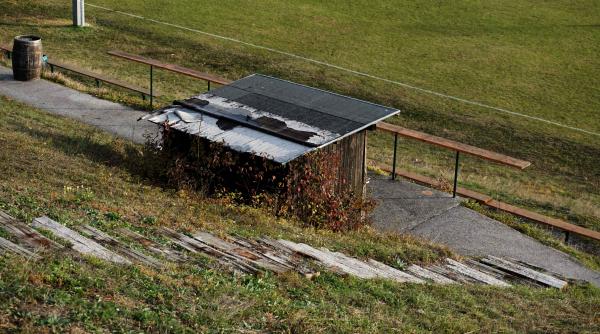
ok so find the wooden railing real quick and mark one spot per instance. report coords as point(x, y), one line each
point(451, 145)
point(568, 228)
point(209, 78)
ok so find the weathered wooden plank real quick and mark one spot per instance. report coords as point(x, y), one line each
point(119, 247)
point(6, 245)
point(366, 271)
point(267, 252)
point(474, 273)
point(26, 235)
point(327, 260)
point(522, 271)
point(195, 246)
point(79, 243)
point(499, 274)
point(154, 247)
point(240, 252)
point(298, 262)
point(394, 273)
point(453, 274)
point(429, 275)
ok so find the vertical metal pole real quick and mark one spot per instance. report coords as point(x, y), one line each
point(208, 84)
point(394, 162)
point(78, 13)
point(151, 86)
point(455, 174)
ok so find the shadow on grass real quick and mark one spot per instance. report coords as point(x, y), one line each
point(138, 161)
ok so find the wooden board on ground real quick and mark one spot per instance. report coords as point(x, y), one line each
point(154, 247)
point(429, 275)
point(26, 235)
point(6, 245)
point(326, 259)
point(119, 247)
point(240, 252)
point(195, 246)
point(79, 243)
point(519, 270)
point(395, 274)
point(474, 273)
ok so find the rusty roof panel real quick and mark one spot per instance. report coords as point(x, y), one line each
point(270, 117)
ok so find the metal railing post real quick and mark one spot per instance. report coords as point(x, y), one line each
point(394, 162)
point(455, 174)
point(78, 13)
point(151, 86)
point(208, 84)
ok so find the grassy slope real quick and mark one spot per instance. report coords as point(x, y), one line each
point(77, 174)
point(534, 58)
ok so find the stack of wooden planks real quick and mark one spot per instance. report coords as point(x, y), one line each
point(252, 256)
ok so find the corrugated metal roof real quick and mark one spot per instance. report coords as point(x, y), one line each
point(270, 117)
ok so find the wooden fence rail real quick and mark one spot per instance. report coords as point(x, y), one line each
point(209, 78)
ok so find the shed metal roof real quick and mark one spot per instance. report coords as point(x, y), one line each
point(271, 117)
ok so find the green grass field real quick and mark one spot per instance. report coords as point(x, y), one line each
point(77, 174)
point(539, 59)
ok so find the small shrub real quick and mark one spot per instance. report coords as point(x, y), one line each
point(307, 188)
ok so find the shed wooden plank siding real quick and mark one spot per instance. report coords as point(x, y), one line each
point(281, 121)
point(351, 152)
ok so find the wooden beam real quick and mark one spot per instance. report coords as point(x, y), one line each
point(519, 270)
point(429, 275)
point(170, 67)
point(25, 234)
point(474, 273)
point(453, 145)
point(6, 245)
point(79, 243)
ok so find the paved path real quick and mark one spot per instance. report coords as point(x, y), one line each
point(63, 101)
point(410, 208)
point(404, 206)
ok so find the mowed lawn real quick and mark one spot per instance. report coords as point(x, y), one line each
point(535, 58)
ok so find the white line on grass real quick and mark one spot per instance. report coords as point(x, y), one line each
point(363, 74)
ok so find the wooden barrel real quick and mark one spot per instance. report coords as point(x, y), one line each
point(27, 58)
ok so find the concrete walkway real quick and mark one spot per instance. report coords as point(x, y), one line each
point(403, 206)
point(63, 101)
point(410, 208)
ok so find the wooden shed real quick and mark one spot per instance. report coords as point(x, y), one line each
point(281, 121)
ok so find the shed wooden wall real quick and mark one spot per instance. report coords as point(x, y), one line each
point(352, 167)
